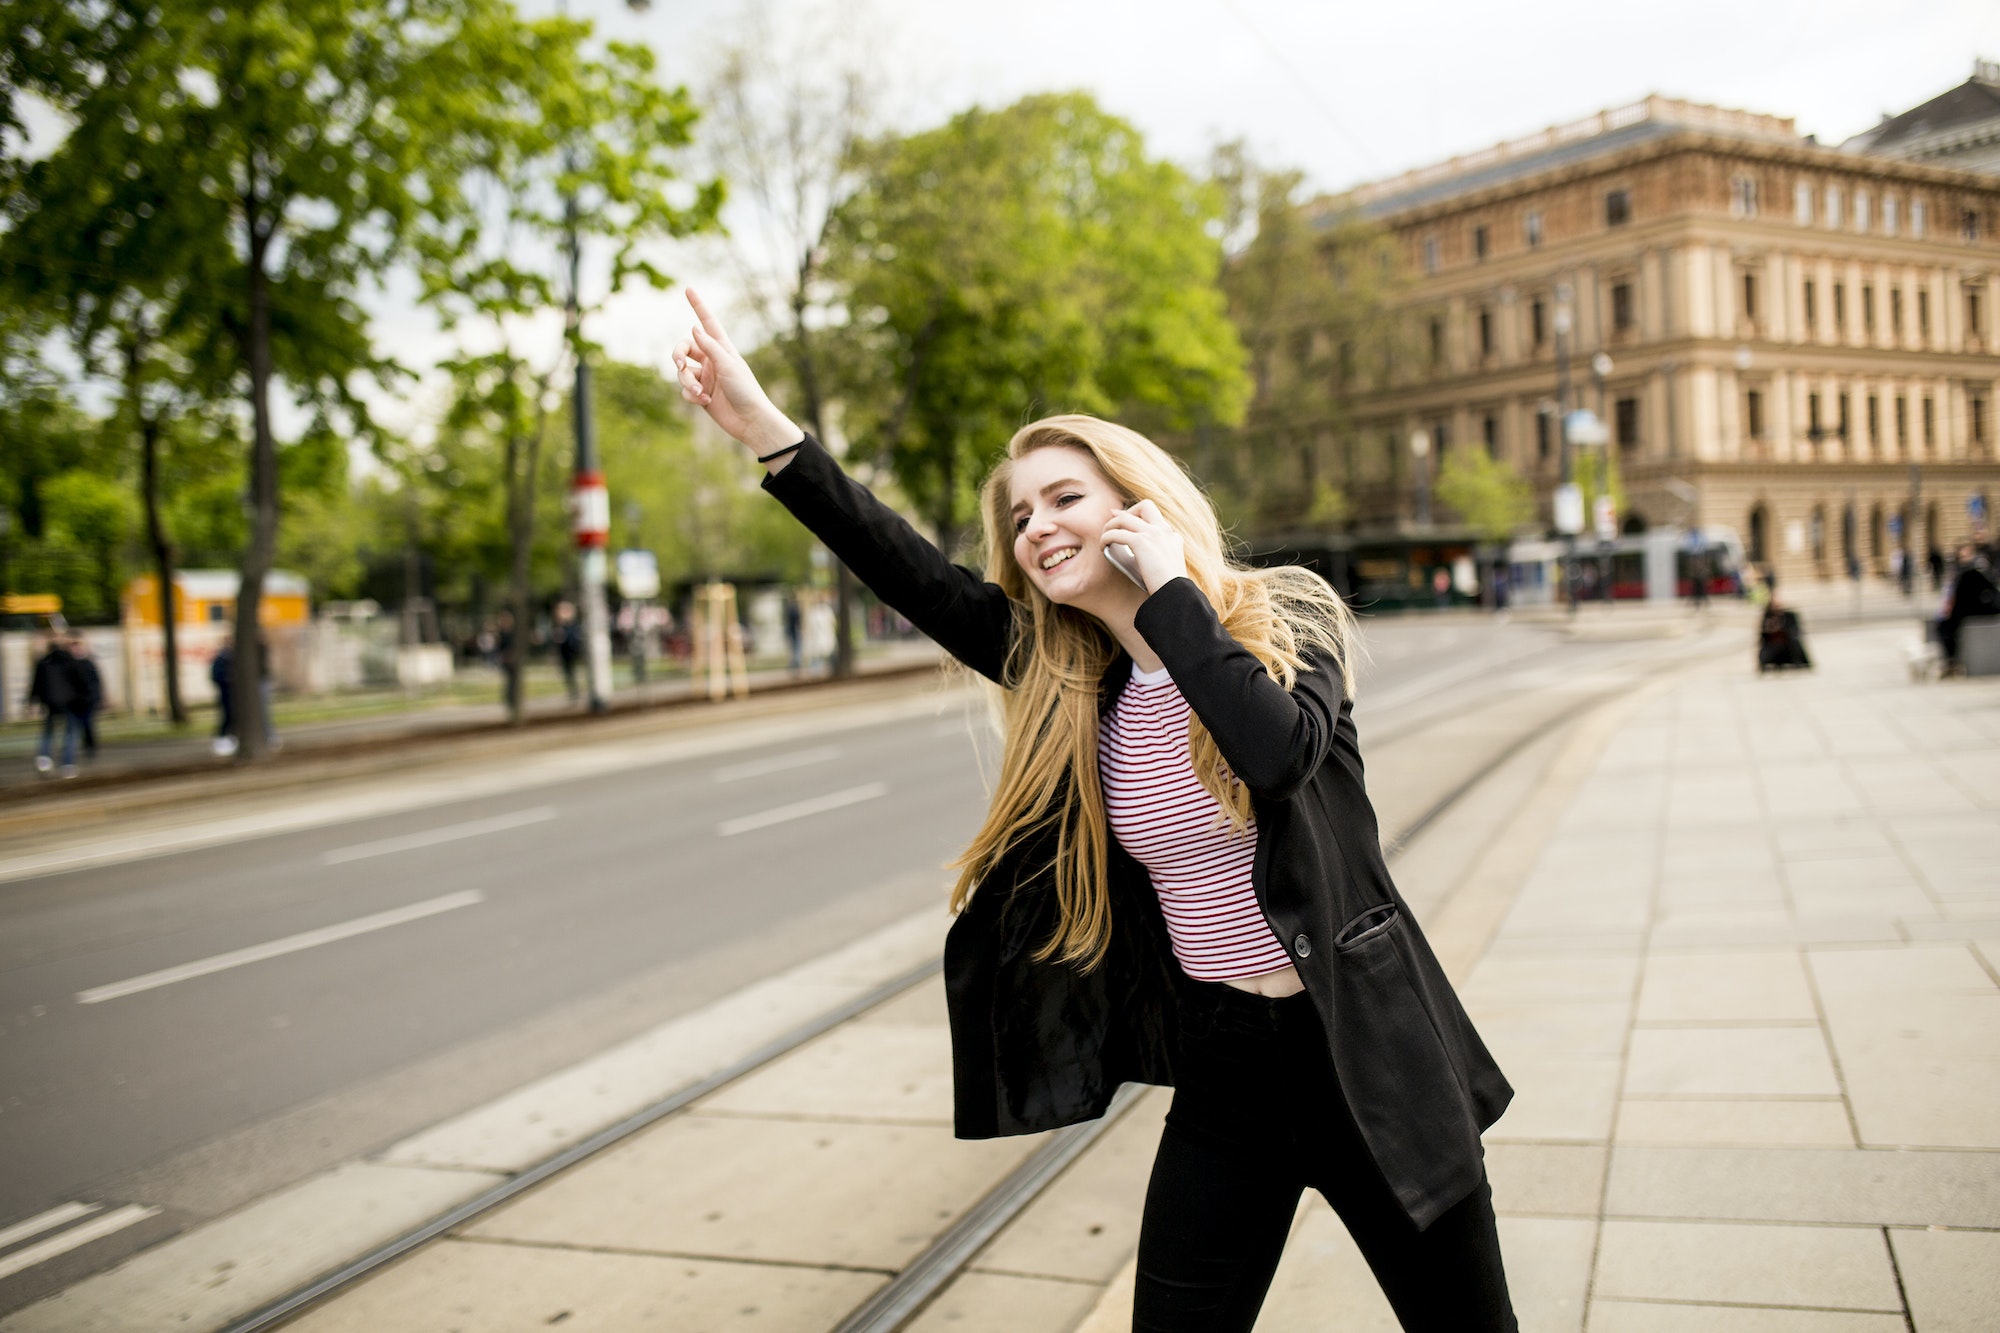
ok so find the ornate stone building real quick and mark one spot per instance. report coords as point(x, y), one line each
point(1802, 339)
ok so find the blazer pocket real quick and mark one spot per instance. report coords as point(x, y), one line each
point(1368, 927)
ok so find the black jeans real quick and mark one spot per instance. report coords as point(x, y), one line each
point(1257, 1117)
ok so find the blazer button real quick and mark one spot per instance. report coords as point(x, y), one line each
point(1303, 946)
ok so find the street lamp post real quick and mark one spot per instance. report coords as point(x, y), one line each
point(590, 499)
point(1568, 503)
point(1600, 371)
point(1420, 449)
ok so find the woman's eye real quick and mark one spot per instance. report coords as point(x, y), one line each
point(1063, 500)
point(1020, 523)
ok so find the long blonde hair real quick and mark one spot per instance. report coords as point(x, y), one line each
point(1049, 710)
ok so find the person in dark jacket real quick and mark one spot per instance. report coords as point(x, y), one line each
point(54, 687)
point(89, 693)
point(1180, 880)
point(1973, 593)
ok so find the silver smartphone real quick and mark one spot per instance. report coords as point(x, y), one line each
point(1119, 554)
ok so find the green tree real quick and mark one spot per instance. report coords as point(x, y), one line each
point(584, 147)
point(1490, 494)
point(1312, 291)
point(91, 514)
point(1017, 262)
point(289, 148)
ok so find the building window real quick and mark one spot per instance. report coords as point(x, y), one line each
point(1617, 208)
point(1841, 401)
point(1490, 428)
point(1430, 254)
point(1861, 210)
point(1868, 312)
point(1975, 408)
point(1923, 314)
point(1930, 422)
point(1902, 423)
point(1437, 342)
point(1486, 333)
point(1621, 307)
point(1480, 239)
point(1813, 428)
point(1968, 225)
point(1874, 420)
point(1531, 227)
point(1537, 322)
point(1802, 210)
point(1896, 313)
point(1888, 215)
point(1812, 307)
point(1839, 308)
point(1743, 197)
point(1919, 218)
point(1974, 323)
point(1753, 414)
point(1833, 205)
point(1749, 296)
point(1626, 413)
point(1542, 435)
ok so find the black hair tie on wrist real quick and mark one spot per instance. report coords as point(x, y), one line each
point(765, 458)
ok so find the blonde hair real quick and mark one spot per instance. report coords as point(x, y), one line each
point(1049, 710)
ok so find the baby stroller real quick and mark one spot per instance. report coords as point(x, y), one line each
point(1780, 641)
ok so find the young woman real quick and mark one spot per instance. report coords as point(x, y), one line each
point(1179, 880)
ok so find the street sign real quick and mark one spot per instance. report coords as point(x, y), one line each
point(1607, 519)
point(31, 604)
point(638, 576)
point(1975, 509)
point(1569, 508)
point(590, 510)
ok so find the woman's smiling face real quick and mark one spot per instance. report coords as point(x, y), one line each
point(1061, 502)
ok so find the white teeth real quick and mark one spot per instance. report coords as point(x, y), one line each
point(1052, 561)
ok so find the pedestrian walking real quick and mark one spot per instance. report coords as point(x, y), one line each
point(222, 674)
point(89, 693)
point(568, 639)
point(1973, 593)
point(1179, 880)
point(54, 686)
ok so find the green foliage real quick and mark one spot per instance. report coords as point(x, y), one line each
point(1019, 262)
point(1493, 498)
point(1312, 290)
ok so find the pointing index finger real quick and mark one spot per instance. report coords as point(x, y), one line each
point(709, 323)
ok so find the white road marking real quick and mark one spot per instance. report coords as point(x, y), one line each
point(75, 1238)
point(757, 768)
point(257, 953)
point(431, 837)
point(800, 809)
point(54, 1217)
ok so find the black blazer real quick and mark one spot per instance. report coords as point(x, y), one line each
point(1036, 1045)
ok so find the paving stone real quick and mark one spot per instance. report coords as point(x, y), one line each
point(816, 1196)
point(1749, 1061)
point(1855, 871)
point(1658, 1317)
point(978, 1302)
point(1900, 900)
point(1085, 1224)
point(1834, 1268)
point(456, 1285)
point(862, 1071)
point(920, 1006)
point(1952, 1278)
point(1323, 1282)
point(1763, 887)
point(1820, 841)
point(1735, 1121)
point(1543, 1179)
point(1700, 800)
point(1502, 978)
point(1575, 1029)
point(1743, 986)
point(1806, 1185)
point(1917, 1031)
point(1566, 1100)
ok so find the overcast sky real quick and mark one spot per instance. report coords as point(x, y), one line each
point(1345, 92)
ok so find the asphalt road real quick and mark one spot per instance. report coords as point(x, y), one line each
point(186, 1032)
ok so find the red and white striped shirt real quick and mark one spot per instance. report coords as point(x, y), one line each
point(1160, 812)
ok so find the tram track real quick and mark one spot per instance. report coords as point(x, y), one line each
point(893, 1306)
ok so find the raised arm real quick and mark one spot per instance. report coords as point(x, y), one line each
point(968, 617)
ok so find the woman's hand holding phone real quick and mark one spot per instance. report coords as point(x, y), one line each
point(1158, 554)
point(714, 376)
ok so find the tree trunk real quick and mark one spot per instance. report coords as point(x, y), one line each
point(248, 674)
point(523, 457)
point(156, 528)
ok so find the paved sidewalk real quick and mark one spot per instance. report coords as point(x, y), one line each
point(1749, 993)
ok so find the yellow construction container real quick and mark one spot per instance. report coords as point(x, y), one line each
point(208, 597)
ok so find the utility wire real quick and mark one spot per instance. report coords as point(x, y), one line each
point(1300, 82)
